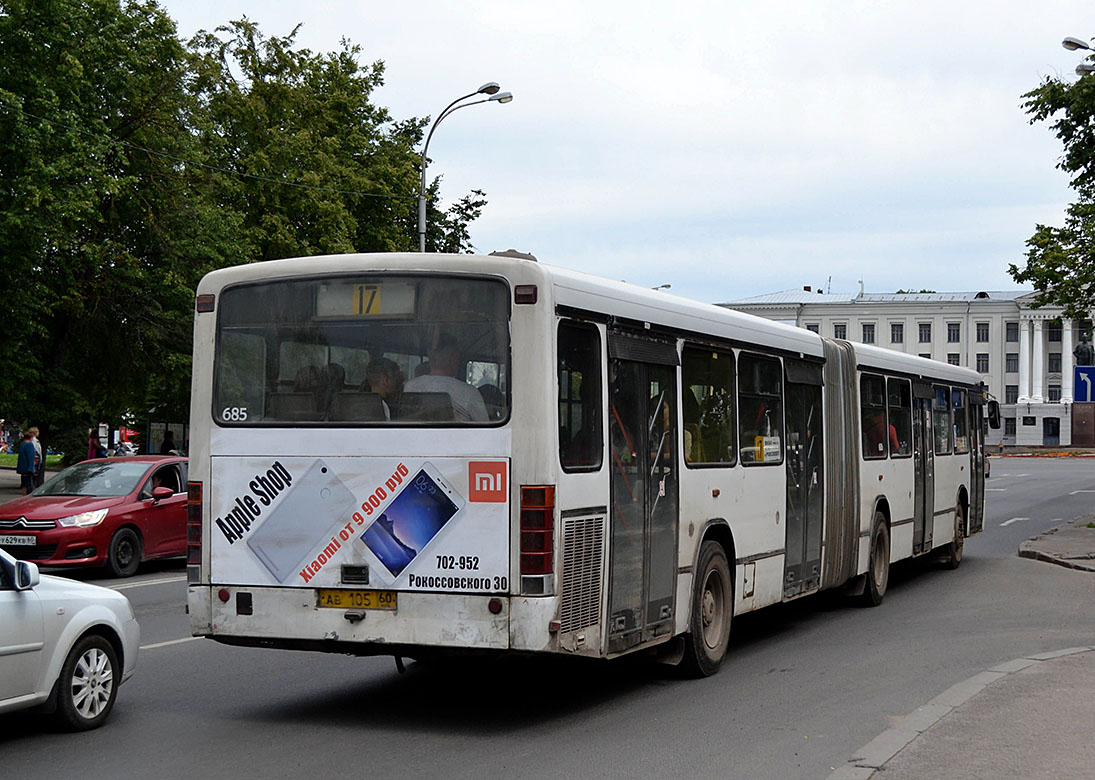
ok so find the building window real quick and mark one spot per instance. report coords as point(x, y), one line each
point(1011, 394)
point(1054, 362)
point(868, 333)
point(1054, 330)
point(954, 332)
point(982, 362)
point(1054, 394)
point(1009, 426)
point(897, 333)
point(983, 332)
point(813, 327)
point(840, 330)
point(1011, 333)
point(1011, 362)
point(954, 358)
point(925, 332)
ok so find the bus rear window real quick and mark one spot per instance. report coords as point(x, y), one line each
point(366, 350)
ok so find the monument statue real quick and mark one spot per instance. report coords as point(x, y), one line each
point(1084, 354)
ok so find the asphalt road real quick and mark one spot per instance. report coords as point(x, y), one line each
point(804, 686)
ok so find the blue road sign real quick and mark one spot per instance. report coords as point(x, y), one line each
point(1083, 389)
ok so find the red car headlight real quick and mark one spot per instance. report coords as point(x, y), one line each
point(84, 519)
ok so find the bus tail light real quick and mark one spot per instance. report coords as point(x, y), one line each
point(193, 532)
point(537, 539)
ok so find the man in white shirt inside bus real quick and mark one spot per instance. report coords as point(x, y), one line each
point(467, 403)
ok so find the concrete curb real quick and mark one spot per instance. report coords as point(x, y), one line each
point(873, 756)
point(1070, 544)
point(1084, 564)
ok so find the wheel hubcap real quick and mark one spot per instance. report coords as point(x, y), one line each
point(92, 683)
point(712, 610)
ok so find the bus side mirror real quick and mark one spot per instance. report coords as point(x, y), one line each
point(994, 414)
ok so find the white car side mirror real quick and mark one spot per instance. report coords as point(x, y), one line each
point(26, 575)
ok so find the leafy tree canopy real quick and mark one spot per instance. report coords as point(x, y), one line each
point(1060, 261)
point(132, 163)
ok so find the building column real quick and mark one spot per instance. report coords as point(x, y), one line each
point(1038, 370)
point(1024, 360)
point(1066, 361)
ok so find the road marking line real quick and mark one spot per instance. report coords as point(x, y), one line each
point(128, 585)
point(1013, 520)
point(995, 490)
point(1074, 492)
point(170, 642)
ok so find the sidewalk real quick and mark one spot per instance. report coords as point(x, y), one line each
point(1029, 717)
point(9, 484)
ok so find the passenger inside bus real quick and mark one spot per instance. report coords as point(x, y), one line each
point(875, 435)
point(445, 365)
point(384, 377)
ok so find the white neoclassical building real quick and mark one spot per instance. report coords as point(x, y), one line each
point(1024, 354)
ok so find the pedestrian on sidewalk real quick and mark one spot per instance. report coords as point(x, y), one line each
point(40, 471)
point(27, 464)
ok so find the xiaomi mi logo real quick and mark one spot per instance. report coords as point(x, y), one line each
point(487, 481)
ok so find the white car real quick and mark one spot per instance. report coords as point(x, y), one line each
point(65, 646)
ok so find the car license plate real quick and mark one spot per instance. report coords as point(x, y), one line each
point(15, 540)
point(356, 599)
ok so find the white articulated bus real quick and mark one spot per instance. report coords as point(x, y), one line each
point(404, 454)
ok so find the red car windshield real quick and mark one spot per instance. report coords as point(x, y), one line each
point(101, 479)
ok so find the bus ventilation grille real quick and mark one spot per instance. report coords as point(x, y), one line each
point(583, 546)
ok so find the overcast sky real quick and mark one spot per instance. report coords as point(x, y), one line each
point(727, 148)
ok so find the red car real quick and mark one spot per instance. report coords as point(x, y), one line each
point(112, 512)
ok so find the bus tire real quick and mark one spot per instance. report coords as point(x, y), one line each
point(878, 569)
point(124, 553)
point(952, 554)
point(712, 612)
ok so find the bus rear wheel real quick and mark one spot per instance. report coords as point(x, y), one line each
point(712, 612)
point(952, 555)
point(878, 570)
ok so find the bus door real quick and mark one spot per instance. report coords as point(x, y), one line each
point(976, 520)
point(643, 549)
point(923, 468)
point(805, 478)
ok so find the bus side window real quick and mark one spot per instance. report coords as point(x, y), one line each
point(872, 404)
point(899, 408)
point(581, 442)
point(941, 420)
point(961, 422)
point(760, 410)
point(708, 406)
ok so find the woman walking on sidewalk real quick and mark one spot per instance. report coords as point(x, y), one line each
point(27, 464)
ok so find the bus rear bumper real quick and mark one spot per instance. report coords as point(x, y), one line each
point(291, 617)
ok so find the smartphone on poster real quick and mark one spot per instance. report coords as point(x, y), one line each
point(412, 519)
point(303, 517)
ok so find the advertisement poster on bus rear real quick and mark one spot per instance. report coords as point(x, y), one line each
point(399, 524)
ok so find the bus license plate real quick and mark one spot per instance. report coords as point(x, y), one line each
point(356, 599)
point(19, 539)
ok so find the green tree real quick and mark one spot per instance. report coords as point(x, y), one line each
point(94, 209)
point(131, 164)
point(1060, 261)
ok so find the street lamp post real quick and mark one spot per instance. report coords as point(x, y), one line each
point(1072, 44)
point(493, 96)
